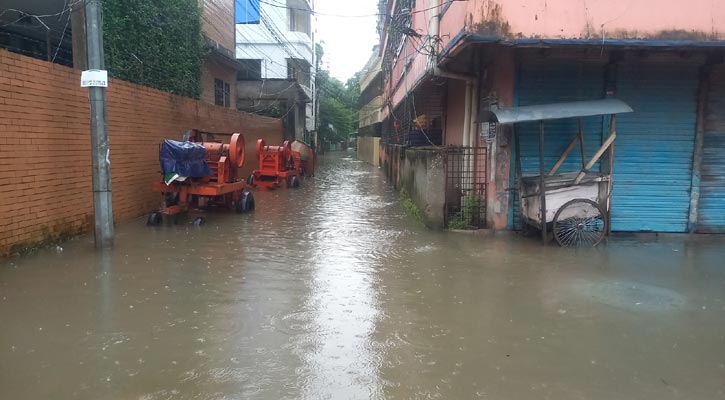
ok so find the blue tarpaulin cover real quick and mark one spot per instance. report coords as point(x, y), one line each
point(186, 159)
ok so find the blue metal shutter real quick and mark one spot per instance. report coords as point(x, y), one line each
point(654, 146)
point(711, 216)
point(550, 80)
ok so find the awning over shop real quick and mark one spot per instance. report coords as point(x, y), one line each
point(552, 111)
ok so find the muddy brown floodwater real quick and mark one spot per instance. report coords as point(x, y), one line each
point(334, 292)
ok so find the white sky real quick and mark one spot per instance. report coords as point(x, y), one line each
point(348, 42)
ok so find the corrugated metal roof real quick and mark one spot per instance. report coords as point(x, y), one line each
point(552, 111)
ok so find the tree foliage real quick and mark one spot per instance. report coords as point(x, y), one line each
point(339, 111)
point(156, 43)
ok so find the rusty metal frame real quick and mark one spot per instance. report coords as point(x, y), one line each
point(466, 186)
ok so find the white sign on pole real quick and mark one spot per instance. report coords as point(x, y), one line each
point(94, 78)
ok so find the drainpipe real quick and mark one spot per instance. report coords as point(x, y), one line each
point(471, 107)
point(473, 128)
point(467, 113)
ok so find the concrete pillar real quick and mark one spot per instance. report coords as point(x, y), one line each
point(503, 73)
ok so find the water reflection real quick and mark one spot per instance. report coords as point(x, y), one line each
point(346, 255)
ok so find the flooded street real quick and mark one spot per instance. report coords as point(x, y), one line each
point(333, 291)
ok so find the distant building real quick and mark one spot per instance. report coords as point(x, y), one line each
point(275, 45)
point(371, 103)
point(219, 71)
point(371, 96)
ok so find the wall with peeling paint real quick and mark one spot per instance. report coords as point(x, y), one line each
point(699, 20)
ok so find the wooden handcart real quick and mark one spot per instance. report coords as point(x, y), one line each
point(575, 206)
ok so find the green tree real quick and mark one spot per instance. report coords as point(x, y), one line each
point(156, 43)
point(339, 111)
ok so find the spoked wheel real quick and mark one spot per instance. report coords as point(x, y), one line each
point(580, 223)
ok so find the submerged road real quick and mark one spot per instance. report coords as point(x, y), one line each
point(334, 292)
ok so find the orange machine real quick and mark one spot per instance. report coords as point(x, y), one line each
point(223, 187)
point(277, 165)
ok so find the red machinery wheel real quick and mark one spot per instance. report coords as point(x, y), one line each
point(236, 149)
point(260, 146)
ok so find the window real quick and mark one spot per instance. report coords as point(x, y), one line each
point(251, 70)
point(222, 93)
point(299, 16)
point(246, 11)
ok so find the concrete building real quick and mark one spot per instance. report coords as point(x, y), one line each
point(219, 71)
point(448, 61)
point(371, 103)
point(275, 45)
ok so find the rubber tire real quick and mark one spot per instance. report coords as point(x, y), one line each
point(294, 182)
point(199, 221)
point(246, 203)
point(171, 199)
point(250, 180)
point(154, 219)
point(570, 202)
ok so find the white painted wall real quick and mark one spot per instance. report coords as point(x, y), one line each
point(256, 42)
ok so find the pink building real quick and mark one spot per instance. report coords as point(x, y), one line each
point(445, 61)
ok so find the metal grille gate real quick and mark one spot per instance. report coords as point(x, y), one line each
point(466, 180)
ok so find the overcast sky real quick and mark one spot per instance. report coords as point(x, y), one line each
point(348, 42)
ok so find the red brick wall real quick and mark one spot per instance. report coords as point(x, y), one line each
point(45, 166)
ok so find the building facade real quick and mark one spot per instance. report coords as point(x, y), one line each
point(275, 45)
point(451, 60)
point(219, 71)
point(371, 103)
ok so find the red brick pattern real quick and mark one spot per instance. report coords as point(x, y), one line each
point(45, 165)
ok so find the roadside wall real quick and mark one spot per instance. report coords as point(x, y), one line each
point(368, 150)
point(45, 164)
point(420, 172)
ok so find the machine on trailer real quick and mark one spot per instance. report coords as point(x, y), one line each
point(277, 165)
point(202, 171)
point(575, 206)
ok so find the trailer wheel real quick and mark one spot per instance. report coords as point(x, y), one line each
point(246, 203)
point(199, 221)
point(580, 223)
point(250, 180)
point(154, 219)
point(294, 182)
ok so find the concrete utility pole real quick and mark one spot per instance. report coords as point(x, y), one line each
point(100, 152)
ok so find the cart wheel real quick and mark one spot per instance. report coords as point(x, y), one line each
point(294, 182)
point(246, 203)
point(580, 223)
point(199, 221)
point(250, 180)
point(154, 219)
